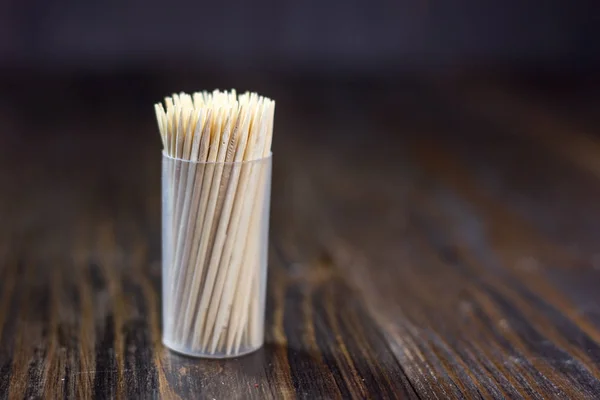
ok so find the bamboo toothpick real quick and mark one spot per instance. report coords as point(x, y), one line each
point(215, 180)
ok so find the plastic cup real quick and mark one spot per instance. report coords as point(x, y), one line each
point(215, 228)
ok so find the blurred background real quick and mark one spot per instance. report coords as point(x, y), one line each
point(332, 58)
point(317, 37)
point(238, 43)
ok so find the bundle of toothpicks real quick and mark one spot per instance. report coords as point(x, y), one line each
point(215, 187)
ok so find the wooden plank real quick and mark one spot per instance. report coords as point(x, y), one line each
point(411, 256)
point(80, 304)
point(570, 135)
point(451, 239)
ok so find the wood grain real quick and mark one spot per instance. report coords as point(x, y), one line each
point(441, 243)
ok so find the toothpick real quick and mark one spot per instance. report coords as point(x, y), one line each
point(215, 185)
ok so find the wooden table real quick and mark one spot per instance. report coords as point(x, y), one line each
point(435, 240)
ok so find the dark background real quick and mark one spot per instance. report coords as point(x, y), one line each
point(60, 60)
point(315, 36)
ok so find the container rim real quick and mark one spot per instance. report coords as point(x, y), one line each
point(256, 160)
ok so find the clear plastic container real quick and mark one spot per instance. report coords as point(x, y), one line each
point(215, 227)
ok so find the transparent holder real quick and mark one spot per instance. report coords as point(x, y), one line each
point(215, 227)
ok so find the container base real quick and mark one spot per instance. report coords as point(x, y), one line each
point(218, 356)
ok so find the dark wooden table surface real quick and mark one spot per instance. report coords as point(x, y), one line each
point(427, 241)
